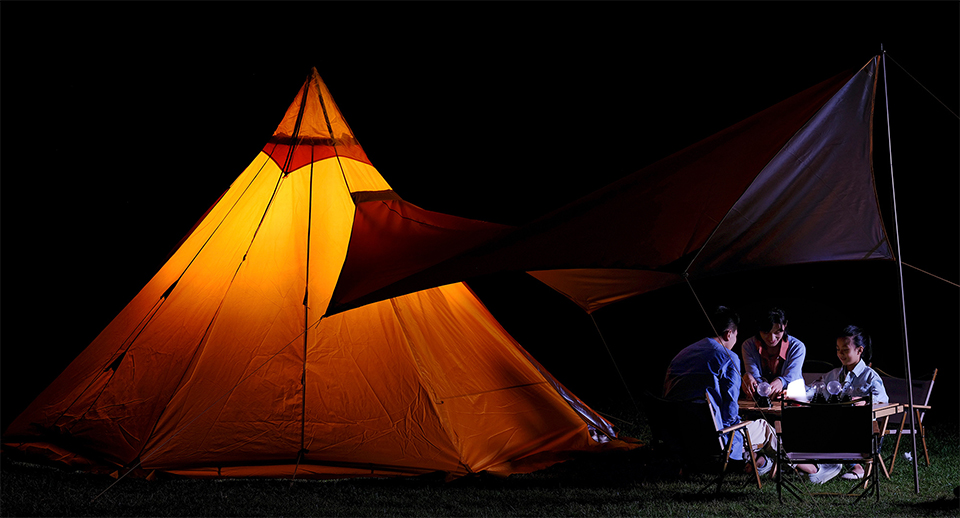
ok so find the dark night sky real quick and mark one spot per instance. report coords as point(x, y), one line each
point(123, 122)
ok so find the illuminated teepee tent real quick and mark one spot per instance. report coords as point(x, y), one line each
point(226, 365)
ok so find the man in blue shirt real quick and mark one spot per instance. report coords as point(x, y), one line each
point(708, 369)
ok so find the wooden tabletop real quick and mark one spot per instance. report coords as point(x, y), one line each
point(879, 410)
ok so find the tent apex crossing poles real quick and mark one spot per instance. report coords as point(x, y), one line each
point(903, 309)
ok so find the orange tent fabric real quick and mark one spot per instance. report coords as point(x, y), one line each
point(225, 363)
point(791, 184)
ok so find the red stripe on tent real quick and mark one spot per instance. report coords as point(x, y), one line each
point(305, 152)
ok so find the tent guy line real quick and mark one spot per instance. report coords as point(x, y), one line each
point(182, 427)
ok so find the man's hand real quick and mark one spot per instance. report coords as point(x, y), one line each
point(776, 388)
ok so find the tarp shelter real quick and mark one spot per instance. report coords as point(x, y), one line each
point(225, 363)
point(791, 184)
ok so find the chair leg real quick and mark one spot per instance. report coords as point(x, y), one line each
point(870, 483)
point(782, 483)
point(748, 444)
point(875, 477)
point(923, 437)
point(723, 468)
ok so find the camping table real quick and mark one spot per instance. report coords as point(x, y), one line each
point(881, 413)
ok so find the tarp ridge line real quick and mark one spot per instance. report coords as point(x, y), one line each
point(408, 218)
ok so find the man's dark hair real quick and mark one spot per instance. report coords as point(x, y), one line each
point(772, 316)
point(724, 319)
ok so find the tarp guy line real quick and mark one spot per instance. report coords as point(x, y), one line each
point(932, 275)
point(615, 366)
point(919, 83)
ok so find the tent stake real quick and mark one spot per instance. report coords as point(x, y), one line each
point(903, 309)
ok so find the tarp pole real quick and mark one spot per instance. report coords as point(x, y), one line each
point(903, 309)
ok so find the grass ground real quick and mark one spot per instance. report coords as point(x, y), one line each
point(618, 484)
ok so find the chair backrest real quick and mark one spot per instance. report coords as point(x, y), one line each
point(896, 389)
point(814, 370)
point(827, 428)
point(686, 428)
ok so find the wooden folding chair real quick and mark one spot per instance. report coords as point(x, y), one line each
point(896, 389)
point(688, 432)
point(841, 433)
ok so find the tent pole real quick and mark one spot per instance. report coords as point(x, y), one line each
point(903, 309)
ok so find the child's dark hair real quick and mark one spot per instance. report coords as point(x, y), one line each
point(860, 339)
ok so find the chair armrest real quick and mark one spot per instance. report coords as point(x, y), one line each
point(906, 407)
point(733, 428)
